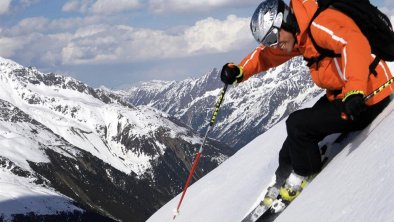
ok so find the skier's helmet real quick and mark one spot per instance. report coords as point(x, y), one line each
point(269, 17)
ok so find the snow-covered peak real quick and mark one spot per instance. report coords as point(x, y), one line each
point(154, 85)
point(8, 65)
point(248, 110)
point(70, 107)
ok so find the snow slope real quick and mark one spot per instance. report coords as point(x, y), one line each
point(355, 186)
point(21, 190)
point(18, 191)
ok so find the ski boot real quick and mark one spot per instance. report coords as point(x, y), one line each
point(270, 196)
point(293, 187)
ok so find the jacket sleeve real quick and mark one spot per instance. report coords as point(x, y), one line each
point(339, 33)
point(263, 58)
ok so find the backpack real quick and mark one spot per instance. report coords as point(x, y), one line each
point(374, 24)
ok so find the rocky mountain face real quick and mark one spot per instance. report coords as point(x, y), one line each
point(248, 110)
point(70, 151)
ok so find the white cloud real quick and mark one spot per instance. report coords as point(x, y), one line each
point(128, 44)
point(77, 6)
point(110, 7)
point(168, 6)
point(388, 3)
point(4, 6)
point(216, 35)
point(9, 46)
point(30, 25)
point(108, 44)
point(96, 39)
point(47, 26)
point(101, 6)
point(156, 6)
point(91, 43)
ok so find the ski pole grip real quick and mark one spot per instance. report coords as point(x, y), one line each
point(366, 98)
point(219, 102)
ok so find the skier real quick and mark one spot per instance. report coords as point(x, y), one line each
point(282, 32)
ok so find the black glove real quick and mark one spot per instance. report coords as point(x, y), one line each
point(231, 73)
point(353, 105)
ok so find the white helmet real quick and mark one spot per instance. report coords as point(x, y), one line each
point(269, 17)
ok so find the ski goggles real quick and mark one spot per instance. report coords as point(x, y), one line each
point(272, 37)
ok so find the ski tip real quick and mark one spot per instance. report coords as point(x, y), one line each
point(175, 214)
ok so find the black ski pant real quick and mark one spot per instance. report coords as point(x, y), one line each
point(307, 127)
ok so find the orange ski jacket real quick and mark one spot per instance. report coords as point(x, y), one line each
point(331, 30)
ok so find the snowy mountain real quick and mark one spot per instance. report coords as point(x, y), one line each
point(355, 186)
point(248, 109)
point(70, 150)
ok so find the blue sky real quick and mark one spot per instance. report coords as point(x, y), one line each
point(121, 42)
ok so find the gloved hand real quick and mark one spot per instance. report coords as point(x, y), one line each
point(354, 104)
point(231, 73)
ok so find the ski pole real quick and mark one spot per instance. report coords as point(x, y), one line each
point(378, 90)
point(198, 155)
point(369, 96)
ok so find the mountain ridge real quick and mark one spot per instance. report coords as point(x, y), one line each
point(79, 141)
point(249, 109)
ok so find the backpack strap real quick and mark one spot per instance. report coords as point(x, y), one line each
point(322, 51)
point(373, 65)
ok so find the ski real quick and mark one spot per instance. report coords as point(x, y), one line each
point(329, 147)
point(256, 213)
point(328, 151)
